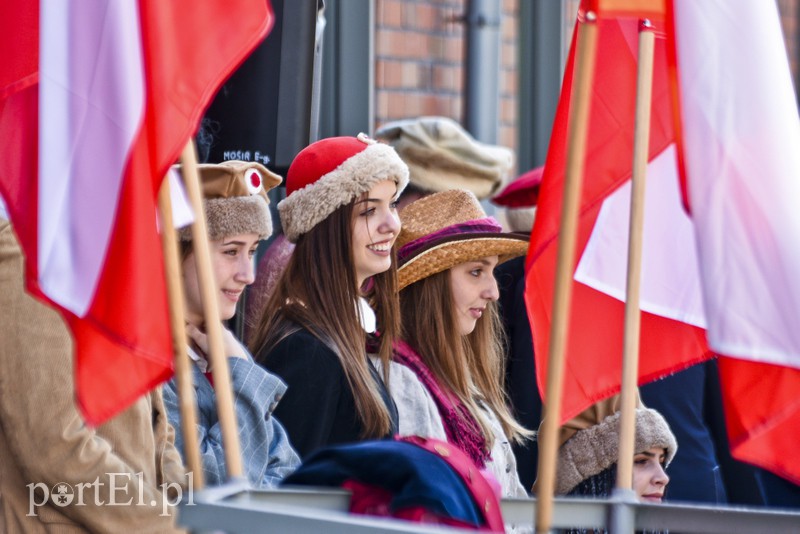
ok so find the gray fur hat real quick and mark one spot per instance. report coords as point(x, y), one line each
point(594, 449)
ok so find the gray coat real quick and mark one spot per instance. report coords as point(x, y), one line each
point(267, 455)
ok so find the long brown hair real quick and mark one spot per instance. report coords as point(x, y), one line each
point(472, 367)
point(318, 291)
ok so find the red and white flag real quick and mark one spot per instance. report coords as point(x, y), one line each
point(729, 266)
point(593, 365)
point(739, 140)
point(96, 103)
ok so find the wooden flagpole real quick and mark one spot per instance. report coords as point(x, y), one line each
point(183, 371)
point(213, 324)
point(630, 357)
point(576, 150)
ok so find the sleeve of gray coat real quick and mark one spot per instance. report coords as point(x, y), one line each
point(267, 455)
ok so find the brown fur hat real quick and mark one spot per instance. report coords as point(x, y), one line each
point(235, 199)
point(441, 155)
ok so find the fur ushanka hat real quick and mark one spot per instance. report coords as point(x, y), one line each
point(331, 172)
point(593, 449)
point(235, 199)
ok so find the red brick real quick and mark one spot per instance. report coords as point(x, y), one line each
point(388, 13)
point(508, 55)
point(508, 111)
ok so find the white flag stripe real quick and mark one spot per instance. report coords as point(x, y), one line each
point(182, 214)
point(670, 284)
point(741, 138)
point(91, 105)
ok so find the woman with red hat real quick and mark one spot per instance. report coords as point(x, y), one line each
point(340, 211)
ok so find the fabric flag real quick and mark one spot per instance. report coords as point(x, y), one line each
point(739, 136)
point(593, 365)
point(96, 102)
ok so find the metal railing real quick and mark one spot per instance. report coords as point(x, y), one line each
point(236, 509)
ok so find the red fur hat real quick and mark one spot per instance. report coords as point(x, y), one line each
point(332, 172)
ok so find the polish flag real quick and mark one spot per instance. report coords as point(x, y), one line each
point(96, 102)
point(728, 266)
point(593, 365)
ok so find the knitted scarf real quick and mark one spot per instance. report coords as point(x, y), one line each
point(461, 428)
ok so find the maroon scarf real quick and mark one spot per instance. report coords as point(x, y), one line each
point(461, 428)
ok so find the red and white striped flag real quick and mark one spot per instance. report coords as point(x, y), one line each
point(729, 267)
point(96, 102)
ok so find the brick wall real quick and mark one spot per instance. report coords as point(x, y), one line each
point(420, 52)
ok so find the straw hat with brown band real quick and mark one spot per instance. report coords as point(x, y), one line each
point(445, 229)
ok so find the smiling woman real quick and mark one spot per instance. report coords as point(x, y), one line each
point(237, 216)
point(340, 210)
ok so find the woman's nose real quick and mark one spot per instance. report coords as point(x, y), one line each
point(491, 292)
point(246, 270)
point(391, 223)
point(661, 478)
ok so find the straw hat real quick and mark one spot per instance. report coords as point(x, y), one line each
point(235, 199)
point(331, 172)
point(445, 229)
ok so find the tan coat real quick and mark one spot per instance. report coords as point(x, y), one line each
point(43, 439)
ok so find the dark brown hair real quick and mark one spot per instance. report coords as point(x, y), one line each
point(316, 290)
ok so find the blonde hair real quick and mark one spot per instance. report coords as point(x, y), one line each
point(472, 367)
point(313, 296)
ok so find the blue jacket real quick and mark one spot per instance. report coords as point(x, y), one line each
point(267, 455)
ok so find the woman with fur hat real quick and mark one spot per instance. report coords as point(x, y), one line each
point(237, 215)
point(589, 451)
point(340, 211)
point(587, 457)
point(448, 249)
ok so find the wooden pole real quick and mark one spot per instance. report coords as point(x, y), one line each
point(576, 149)
point(213, 324)
point(183, 371)
point(630, 357)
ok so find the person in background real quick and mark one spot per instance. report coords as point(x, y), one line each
point(337, 291)
point(451, 340)
point(237, 217)
point(589, 449)
point(441, 155)
point(45, 445)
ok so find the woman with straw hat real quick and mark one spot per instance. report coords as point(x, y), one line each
point(340, 211)
point(237, 217)
point(448, 249)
